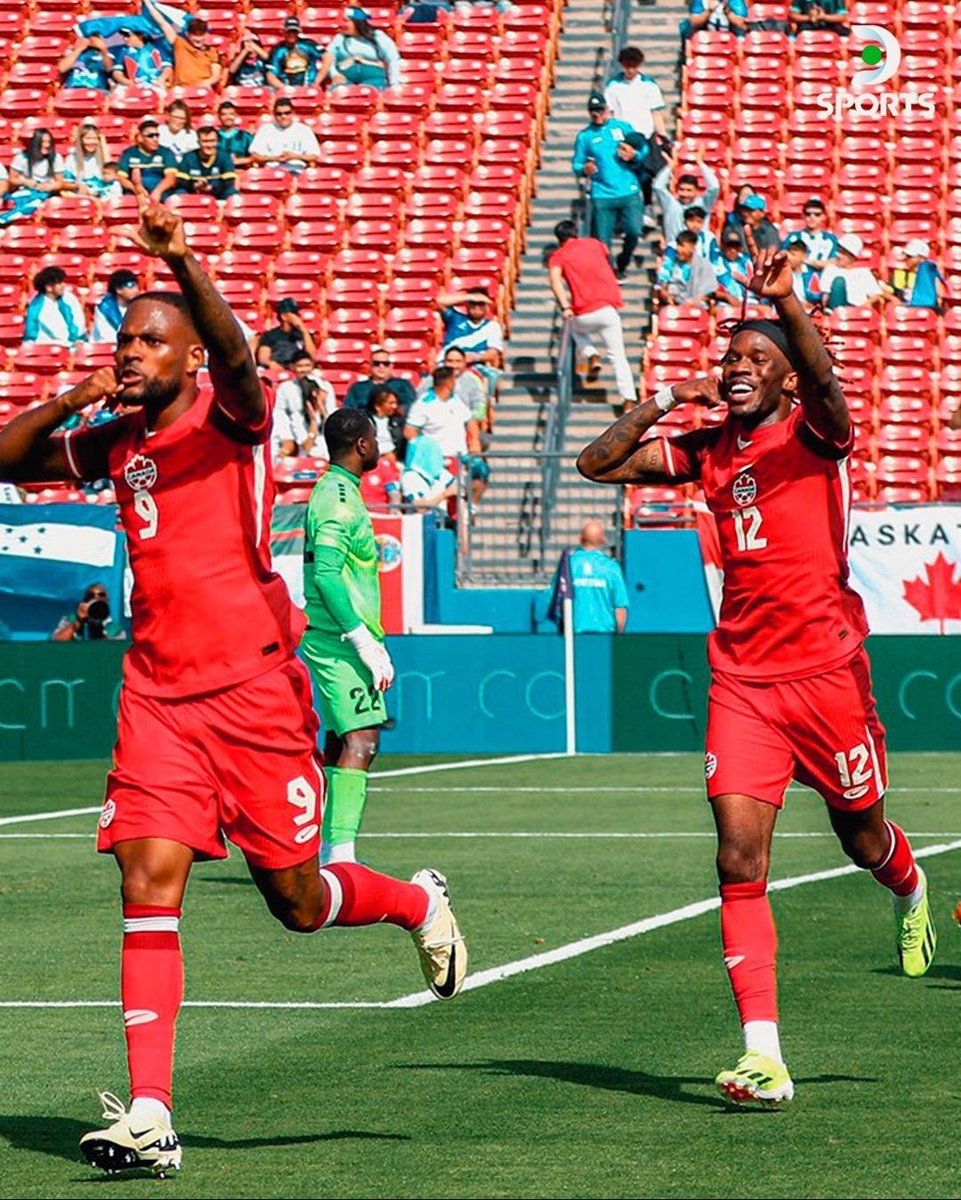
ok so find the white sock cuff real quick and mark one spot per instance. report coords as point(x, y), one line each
point(336, 896)
point(151, 924)
point(894, 841)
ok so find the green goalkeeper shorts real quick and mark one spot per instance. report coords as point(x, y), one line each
point(348, 698)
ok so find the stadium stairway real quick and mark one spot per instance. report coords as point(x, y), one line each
point(535, 322)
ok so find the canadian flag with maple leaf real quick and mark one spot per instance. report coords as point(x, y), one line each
point(906, 564)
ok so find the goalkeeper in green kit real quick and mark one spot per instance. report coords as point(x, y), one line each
point(344, 641)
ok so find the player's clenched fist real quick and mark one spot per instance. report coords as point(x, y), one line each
point(703, 390)
point(373, 655)
point(160, 232)
point(101, 385)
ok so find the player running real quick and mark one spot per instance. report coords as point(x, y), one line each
point(344, 642)
point(790, 694)
point(216, 732)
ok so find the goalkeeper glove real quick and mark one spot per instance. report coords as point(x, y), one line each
point(373, 655)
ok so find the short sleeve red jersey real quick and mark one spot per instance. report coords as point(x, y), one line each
point(781, 498)
point(588, 274)
point(195, 502)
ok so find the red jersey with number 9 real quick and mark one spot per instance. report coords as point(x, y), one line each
point(781, 499)
point(195, 502)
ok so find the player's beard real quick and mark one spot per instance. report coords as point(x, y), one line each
point(152, 394)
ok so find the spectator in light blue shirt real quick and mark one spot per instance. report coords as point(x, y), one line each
point(727, 16)
point(822, 245)
point(600, 593)
point(603, 155)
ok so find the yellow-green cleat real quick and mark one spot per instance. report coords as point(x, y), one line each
point(916, 935)
point(756, 1079)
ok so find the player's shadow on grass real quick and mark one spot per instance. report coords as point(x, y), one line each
point(935, 971)
point(59, 1136)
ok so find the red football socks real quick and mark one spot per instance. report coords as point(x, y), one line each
point(898, 872)
point(750, 949)
point(358, 896)
point(151, 990)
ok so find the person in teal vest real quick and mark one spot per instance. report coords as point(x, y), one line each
point(600, 593)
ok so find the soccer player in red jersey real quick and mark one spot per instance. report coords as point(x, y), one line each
point(217, 736)
point(790, 694)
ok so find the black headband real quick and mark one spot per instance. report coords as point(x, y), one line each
point(772, 330)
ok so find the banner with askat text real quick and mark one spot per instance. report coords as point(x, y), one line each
point(906, 564)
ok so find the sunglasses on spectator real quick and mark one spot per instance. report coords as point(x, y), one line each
point(96, 595)
point(150, 133)
point(380, 362)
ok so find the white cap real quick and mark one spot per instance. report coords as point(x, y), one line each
point(852, 244)
point(918, 249)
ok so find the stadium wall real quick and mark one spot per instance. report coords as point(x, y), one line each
point(501, 694)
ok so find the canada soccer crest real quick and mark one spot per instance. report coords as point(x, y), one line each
point(745, 490)
point(140, 473)
point(710, 764)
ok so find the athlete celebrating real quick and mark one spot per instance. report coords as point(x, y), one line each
point(790, 693)
point(344, 642)
point(217, 737)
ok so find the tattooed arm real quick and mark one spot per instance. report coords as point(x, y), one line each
point(620, 456)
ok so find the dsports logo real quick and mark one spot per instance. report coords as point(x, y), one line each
point(882, 58)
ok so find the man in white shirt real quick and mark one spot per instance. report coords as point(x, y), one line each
point(441, 416)
point(285, 143)
point(843, 283)
point(634, 97)
point(302, 407)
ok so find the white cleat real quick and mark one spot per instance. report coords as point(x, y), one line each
point(126, 1144)
point(443, 954)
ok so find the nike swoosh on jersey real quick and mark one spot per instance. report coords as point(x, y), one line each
point(732, 960)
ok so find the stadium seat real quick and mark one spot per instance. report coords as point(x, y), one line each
point(267, 181)
point(193, 208)
point(251, 207)
point(265, 236)
point(89, 356)
point(242, 264)
point(45, 358)
point(326, 236)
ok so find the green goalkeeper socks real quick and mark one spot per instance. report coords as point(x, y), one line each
point(346, 795)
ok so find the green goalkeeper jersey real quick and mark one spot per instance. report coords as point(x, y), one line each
point(338, 524)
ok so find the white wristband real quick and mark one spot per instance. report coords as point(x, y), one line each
point(664, 399)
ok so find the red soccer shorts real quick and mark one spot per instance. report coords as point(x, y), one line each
point(240, 763)
point(822, 731)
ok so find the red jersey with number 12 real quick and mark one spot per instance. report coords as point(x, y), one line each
point(781, 499)
point(195, 501)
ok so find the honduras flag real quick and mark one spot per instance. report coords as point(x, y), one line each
point(49, 555)
point(109, 27)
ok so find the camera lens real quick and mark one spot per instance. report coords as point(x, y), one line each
point(98, 610)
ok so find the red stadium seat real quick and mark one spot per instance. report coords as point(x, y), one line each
point(21, 388)
point(255, 207)
point(265, 236)
point(300, 264)
point(193, 208)
point(326, 236)
point(241, 264)
point(424, 262)
point(44, 358)
point(267, 181)
point(89, 356)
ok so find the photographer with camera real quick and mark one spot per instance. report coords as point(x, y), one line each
point(90, 622)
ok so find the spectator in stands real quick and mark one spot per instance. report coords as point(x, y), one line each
point(751, 209)
point(177, 133)
point(83, 169)
point(600, 593)
point(122, 287)
point(55, 314)
point(822, 245)
point(248, 67)
point(90, 621)
point(844, 283)
point(196, 63)
point(438, 414)
point(112, 187)
point(918, 282)
point(470, 385)
point(830, 15)
point(36, 174)
point(294, 62)
point(141, 62)
point(285, 142)
point(695, 221)
point(303, 404)
point(86, 64)
point(587, 291)
point(601, 156)
point(469, 325)
point(147, 164)
point(388, 418)
point(634, 97)
point(733, 270)
point(361, 54)
point(232, 138)
point(728, 16)
point(426, 481)
point(683, 276)
point(685, 195)
point(807, 287)
point(288, 337)
point(209, 170)
point(360, 391)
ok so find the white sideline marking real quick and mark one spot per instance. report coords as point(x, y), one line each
point(543, 833)
point(519, 967)
point(425, 769)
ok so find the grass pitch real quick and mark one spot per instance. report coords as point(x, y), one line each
point(584, 1077)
